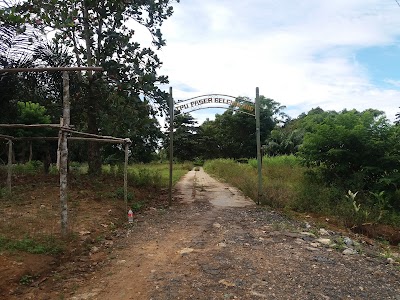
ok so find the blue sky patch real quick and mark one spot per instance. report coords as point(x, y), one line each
point(382, 63)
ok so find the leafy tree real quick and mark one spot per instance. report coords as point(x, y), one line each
point(185, 137)
point(32, 113)
point(397, 121)
point(208, 146)
point(233, 134)
point(97, 34)
point(284, 141)
point(354, 149)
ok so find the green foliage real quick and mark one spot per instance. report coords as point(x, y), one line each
point(185, 138)
point(26, 279)
point(232, 134)
point(282, 160)
point(145, 177)
point(119, 194)
point(284, 141)
point(242, 176)
point(288, 185)
point(44, 245)
point(125, 98)
point(355, 150)
point(136, 206)
point(198, 162)
point(3, 192)
point(32, 113)
point(31, 167)
point(156, 175)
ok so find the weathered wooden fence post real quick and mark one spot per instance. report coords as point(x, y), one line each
point(9, 165)
point(171, 144)
point(64, 156)
point(127, 143)
point(258, 134)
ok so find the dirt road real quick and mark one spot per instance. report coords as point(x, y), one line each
point(216, 244)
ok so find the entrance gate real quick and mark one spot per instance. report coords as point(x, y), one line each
point(214, 101)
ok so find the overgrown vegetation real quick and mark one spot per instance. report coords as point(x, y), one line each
point(289, 185)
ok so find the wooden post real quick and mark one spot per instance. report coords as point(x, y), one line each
point(258, 146)
point(59, 145)
point(171, 144)
point(64, 156)
point(126, 177)
point(9, 165)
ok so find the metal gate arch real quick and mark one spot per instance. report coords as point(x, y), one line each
point(192, 104)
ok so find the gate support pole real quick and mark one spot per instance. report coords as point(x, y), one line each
point(258, 146)
point(171, 143)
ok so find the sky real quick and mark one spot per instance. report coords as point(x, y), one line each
point(340, 54)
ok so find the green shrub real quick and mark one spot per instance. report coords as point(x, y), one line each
point(31, 167)
point(119, 194)
point(198, 162)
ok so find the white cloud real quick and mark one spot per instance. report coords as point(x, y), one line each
point(302, 53)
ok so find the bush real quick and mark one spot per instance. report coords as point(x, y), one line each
point(31, 167)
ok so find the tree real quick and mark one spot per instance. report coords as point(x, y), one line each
point(397, 121)
point(287, 138)
point(32, 113)
point(284, 141)
point(356, 150)
point(185, 137)
point(233, 134)
point(97, 34)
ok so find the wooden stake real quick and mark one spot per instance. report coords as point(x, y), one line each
point(171, 144)
point(9, 166)
point(126, 177)
point(64, 157)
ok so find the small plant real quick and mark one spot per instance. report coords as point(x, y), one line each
point(352, 197)
point(119, 194)
point(3, 192)
point(26, 279)
point(340, 244)
point(137, 206)
point(381, 203)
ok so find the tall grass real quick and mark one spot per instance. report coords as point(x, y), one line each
point(290, 186)
point(154, 174)
point(243, 176)
point(282, 177)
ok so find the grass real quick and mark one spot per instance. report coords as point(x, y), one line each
point(291, 187)
point(281, 178)
point(30, 215)
point(43, 245)
point(153, 174)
